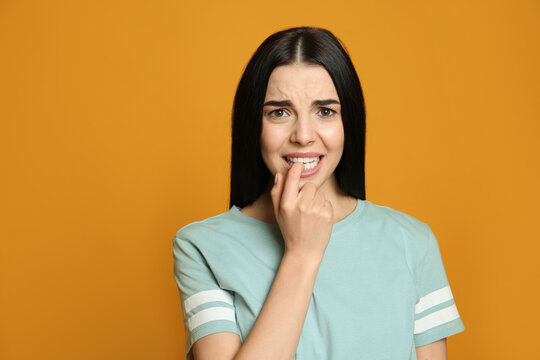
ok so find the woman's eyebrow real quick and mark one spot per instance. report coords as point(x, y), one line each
point(289, 103)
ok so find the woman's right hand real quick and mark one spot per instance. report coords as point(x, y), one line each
point(305, 217)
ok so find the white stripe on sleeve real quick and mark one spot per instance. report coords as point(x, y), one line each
point(206, 296)
point(433, 298)
point(435, 319)
point(211, 314)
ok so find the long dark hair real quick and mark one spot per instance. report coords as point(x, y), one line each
point(306, 45)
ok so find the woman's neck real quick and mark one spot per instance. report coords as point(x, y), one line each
point(262, 208)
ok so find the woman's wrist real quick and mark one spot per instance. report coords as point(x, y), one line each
point(303, 261)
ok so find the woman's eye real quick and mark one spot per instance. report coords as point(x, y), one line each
point(327, 112)
point(279, 113)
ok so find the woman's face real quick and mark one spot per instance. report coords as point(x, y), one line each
point(302, 122)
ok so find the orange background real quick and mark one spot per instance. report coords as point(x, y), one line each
point(115, 132)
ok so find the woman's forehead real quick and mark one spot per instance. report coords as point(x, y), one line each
point(300, 81)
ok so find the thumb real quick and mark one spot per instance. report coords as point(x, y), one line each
point(276, 191)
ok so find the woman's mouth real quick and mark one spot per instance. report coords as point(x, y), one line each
point(311, 164)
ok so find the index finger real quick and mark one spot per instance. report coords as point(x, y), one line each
point(292, 182)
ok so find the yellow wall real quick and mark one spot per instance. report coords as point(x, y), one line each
point(115, 132)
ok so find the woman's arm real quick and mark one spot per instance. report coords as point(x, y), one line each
point(276, 332)
point(305, 219)
point(434, 351)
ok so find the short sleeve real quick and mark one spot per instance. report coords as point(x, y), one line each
point(206, 308)
point(436, 314)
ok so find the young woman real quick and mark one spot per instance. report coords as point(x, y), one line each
point(302, 266)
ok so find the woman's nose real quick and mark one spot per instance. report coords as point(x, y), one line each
point(304, 131)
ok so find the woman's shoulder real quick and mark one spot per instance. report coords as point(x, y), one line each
point(229, 224)
point(208, 227)
point(392, 217)
point(399, 227)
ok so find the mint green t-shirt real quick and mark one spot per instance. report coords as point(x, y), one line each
point(381, 289)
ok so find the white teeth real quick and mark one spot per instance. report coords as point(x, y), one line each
point(309, 163)
point(304, 160)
